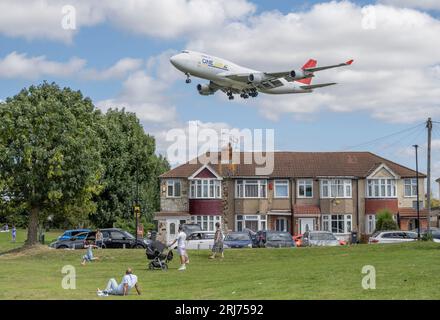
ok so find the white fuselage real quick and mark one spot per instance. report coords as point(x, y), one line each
point(215, 69)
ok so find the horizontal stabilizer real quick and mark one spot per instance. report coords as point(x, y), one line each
point(319, 85)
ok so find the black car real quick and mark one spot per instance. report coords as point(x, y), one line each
point(112, 238)
point(274, 239)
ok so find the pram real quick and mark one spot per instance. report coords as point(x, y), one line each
point(159, 255)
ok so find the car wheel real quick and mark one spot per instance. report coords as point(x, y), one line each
point(139, 246)
point(62, 247)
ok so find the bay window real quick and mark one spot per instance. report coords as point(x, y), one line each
point(205, 189)
point(173, 188)
point(281, 188)
point(253, 222)
point(410, 187)
point(381, 188)
point(336, 223)
point(305, 188)
point(336, 188)
point(251, 189)
point(207, 223)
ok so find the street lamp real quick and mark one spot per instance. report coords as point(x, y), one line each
point(417, 184)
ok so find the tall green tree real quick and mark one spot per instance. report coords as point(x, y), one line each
point(131, 170)
point(50, 147)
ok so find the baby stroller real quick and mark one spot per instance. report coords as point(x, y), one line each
point(159, 255)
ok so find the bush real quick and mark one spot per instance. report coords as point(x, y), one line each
point(385, 221)
point(130, 225)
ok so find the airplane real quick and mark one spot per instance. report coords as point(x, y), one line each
point(233, 79)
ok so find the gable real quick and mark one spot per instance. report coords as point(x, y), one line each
point(383, 173)
point(205, 173)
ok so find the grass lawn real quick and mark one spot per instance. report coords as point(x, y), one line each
point(404, 271)
point(6, 243)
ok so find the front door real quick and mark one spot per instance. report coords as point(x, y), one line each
point(172, 227)
point(306, 224)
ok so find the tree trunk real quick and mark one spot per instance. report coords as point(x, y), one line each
point(32, 237)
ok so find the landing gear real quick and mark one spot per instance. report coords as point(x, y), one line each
point(253, 93)
point(188, 79)
point(230, 96)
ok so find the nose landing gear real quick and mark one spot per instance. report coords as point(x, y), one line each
point(188, 79)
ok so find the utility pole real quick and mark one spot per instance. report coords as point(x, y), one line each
point(418, 203)
point(428, 187)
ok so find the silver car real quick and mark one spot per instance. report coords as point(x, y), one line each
point(319, 238)
point(392, 236)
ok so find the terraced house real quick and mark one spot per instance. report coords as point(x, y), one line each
point(334, 191)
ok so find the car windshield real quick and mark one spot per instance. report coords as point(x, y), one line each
point(374, 235)
point(190, 228)
point(278, 236)
point(237, 237)
point(128, 235)
point(322, 236)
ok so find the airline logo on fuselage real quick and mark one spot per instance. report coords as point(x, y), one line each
point(214, 64)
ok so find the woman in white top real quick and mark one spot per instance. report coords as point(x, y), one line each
point(181, 237)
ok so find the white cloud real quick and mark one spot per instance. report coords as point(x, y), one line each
point(19, 65)
point(421, 4)
point(41, 19)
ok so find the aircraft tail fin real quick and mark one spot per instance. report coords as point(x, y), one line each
point(309, 64)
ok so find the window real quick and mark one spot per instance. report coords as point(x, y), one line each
point(410, 187)
point(207, 223)
point(336, 188)
point(414, 205)
point(381, 188)
point(253, 222)
point(305, 188)
point(173, 188)
point(205, 188)
point(281, 189)
point(172, 229)
point(370, 223)
point(337, 223)
point(250, 189)
point(281, 224)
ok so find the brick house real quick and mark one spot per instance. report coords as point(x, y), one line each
point(335, 191)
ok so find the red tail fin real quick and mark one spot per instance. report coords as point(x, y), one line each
point(309, 64)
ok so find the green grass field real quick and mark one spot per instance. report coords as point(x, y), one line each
point(407, 271)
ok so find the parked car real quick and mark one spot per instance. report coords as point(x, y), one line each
point(274, 239)
point(392, 237)
point(238, 240)
point(435, 232)
point(71, 233)
point(319, 238)
point(112, 238)
point(189, 228)
point(199, 240)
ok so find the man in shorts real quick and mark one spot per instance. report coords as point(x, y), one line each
point(181, 237)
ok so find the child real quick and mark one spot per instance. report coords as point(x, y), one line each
point(14, 233)
point(88, 257)
point(181, 237)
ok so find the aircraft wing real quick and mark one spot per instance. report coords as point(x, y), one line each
point(314, 69)
point(242, 77)
point(319, 85)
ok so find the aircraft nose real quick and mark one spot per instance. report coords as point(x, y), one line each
point(174, 60)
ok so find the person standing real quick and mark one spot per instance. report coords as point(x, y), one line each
point(98, 238)
point(14, 233)
point(218, 242)
point(181, 248)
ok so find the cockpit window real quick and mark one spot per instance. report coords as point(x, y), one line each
point(185, 51)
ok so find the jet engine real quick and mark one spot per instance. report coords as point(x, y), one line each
point(257, 77)
point(204, 89)
point(297, 74)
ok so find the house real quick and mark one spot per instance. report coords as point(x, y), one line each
point(335, 191)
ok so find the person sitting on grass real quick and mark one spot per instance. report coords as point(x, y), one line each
point(181, 237)
point(129, 281)
point(88, 257)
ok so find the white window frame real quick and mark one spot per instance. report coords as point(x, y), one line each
point(281, 183)
point(327, 224)
point(370, 223)
point(171, 183)
point(304, 183)
point(207, 222)
point(333, 186)
point(240, 188)
point(262, 220)
point(215, 184)
point(412, 183)
point(381, 188)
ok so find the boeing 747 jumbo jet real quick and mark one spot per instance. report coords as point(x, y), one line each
point(234, 79)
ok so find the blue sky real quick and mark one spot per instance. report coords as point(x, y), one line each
point(391, 86)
